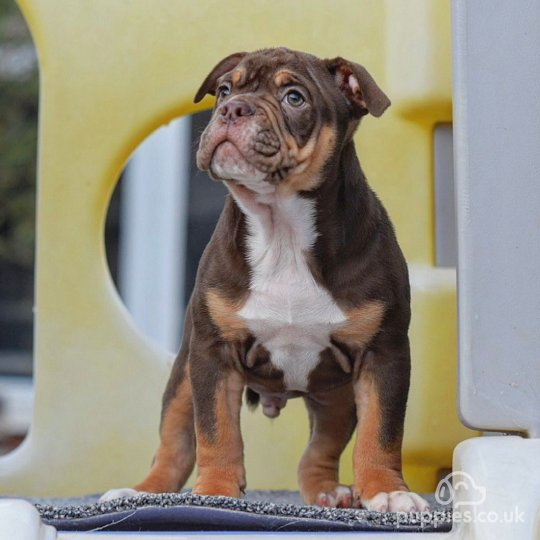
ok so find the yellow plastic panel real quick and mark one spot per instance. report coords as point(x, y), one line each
point(111, 73)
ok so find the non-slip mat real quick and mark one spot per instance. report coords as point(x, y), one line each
point(259, 511)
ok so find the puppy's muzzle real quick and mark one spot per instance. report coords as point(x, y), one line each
point(234, 110)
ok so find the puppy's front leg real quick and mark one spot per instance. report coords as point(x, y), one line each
point(217, 393)
point(381, 390)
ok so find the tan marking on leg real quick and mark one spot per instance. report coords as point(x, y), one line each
point(224, 314)
point(310, 160)
point(376, 469)
point(221, 462)
point(362, 324)
point(175, 457)
point(332, 423)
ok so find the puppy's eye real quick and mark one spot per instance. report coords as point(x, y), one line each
point(223, 91)
point(295, 98)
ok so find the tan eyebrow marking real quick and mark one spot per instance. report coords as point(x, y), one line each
point(284, 77)
point(238, 75)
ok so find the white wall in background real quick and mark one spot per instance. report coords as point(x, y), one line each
point(153, 222)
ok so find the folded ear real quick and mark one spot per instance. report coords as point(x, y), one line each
point(209, 84)
point(358, 86)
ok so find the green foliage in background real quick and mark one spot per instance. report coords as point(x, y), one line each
point(18, 140)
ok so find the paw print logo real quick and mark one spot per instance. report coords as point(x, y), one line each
point(470, 492)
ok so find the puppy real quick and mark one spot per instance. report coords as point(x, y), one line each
point(302, 291)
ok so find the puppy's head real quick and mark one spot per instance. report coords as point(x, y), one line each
point(280, 114)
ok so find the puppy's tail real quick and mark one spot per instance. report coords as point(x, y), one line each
point(252, 399)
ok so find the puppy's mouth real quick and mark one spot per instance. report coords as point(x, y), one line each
point(228, 163)
point(245, 153)
point(227, 152)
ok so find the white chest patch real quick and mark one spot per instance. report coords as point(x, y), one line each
point(287, 311)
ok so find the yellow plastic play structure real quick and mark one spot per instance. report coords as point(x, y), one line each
point(111, 73)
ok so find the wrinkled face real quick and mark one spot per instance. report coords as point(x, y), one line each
point(279, 115)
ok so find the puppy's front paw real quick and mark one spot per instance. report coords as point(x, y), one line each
point(217, 488)
point(118, 494)
point(396, 501)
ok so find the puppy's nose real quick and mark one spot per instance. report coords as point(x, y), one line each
point(235, 109)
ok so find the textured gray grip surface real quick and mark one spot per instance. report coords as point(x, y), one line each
point(259, 511)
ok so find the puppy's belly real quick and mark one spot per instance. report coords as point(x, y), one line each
point(294, 330)
point(291, 350)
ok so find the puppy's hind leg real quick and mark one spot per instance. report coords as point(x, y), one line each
point(175, 458)
point(332, 419)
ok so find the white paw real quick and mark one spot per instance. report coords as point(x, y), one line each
point(339, 497)
point(396, 501)
point(118, 494)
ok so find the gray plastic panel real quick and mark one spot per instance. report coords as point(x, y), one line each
point(497, 165)
point(445, 211)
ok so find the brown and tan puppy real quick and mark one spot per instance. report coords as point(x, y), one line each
point(302, 291)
